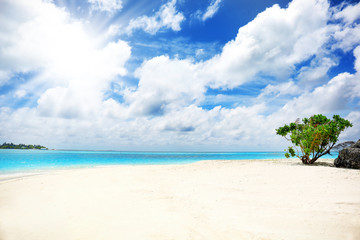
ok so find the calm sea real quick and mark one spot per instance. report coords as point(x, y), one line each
point(27, 160)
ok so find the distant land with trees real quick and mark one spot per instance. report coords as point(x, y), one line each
point(21, 146)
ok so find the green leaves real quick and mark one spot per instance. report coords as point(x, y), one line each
point(315, 136)
point(283, 131)
point(291, 151)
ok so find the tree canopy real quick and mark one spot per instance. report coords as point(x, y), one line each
point(315, 136)
point(20, 146)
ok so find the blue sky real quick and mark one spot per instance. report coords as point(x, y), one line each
point(181, 75)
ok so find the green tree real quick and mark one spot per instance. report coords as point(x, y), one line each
point(20, 146)
point(315, 136)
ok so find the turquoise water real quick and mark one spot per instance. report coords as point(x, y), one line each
point(23, 160)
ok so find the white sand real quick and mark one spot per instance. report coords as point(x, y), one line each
point(205, 200)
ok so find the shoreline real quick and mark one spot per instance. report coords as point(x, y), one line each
point(29, 161)
point(19, 173)
point(215, 199)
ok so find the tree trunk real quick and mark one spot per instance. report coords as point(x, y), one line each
point(305, 159)
point(313, 160)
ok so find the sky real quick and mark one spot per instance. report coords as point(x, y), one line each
point(175, 75)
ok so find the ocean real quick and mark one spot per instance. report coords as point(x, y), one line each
point(29, 160)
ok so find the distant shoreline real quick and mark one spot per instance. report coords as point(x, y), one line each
point(22, 146)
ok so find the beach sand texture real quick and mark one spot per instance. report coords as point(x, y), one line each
point(278, 199)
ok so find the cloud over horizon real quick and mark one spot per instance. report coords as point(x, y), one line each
point(63, 86)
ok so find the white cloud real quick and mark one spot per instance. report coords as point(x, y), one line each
point(211, 10)
point(23, 23)
point(113, 30)
point(110, 6)
point(83, 94)
point(347, 38)
point(334, 97)
point(331, 97)
point(349, 14)
point(346, 34)
point(357, 59)
point(72, 71)
point(309, 76)
point(164, 84)
point(240, 122)
point(166, 18)
point(352, 133)
point(20, 93)
point(4, 77)
point(199, 52)
point(272, 43)
point(287, 88)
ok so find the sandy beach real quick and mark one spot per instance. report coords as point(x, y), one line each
point(267, 199)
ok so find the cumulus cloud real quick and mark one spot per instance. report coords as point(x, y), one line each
point(347, 37)
point(23, 23)
point(83, 93)
point(166, 18)
point(315, 73)
point(349, 14)
point(272, 43)
point(164, 84)
point(354, 132)
point(287, 88)
point(337, 95)
point(346, 34)
point(109, 6)
point(331, 97)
